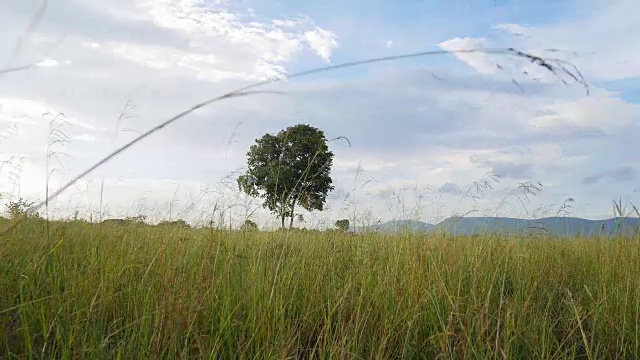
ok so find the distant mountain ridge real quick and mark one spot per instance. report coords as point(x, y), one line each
point(555, 226)
point(402, 226)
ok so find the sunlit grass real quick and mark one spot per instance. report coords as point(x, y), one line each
point(138, 291)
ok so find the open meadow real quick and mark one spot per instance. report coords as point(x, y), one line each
point(135, 291)
point(220, 179)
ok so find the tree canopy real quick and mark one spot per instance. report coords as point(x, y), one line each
point(289, 169)
point(249, 225)
point(342, 224)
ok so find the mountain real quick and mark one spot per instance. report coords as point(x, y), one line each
point(402, 226)
point(555, 226)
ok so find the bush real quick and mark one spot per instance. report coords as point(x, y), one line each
point(249, 225)
point(176, 223)
point(343, 224)
point(20, 208)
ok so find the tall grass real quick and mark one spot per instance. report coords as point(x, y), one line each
point(137, 291)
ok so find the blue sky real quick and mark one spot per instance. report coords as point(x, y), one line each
point(627, 88)
point(365, 26)
point(424, 131)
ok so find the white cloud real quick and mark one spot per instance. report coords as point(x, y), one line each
point(48, 62)
point(600, 44)
point(201, 66)
point(596, 111)
point(16, 108)
point(154, 57)
point(86, 138)
point(31, 123)
point(514, 29)
point(289, 23)
point(476, 60)
point(91, 44)
point(237, 45)
point(322, 42)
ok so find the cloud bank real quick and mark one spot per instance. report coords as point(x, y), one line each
point(425, 134)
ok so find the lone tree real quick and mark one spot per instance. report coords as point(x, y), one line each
point(342, 224)
point(249, 225)
point(289, 169)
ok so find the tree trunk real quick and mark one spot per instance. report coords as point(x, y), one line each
point(293, 208)
point(282, 216)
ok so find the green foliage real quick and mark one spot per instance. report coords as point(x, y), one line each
point(249, 225)
point(343, 224)
point(175, 224)
point(138, 219)
point(289, 169)
point(114, 221)
point(20, 208)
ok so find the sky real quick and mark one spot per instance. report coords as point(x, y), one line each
point(481, 133)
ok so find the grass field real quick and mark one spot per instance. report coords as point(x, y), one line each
point(133, 292)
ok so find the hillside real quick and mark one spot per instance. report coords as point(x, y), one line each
point(401, 226)
point(556, 226)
